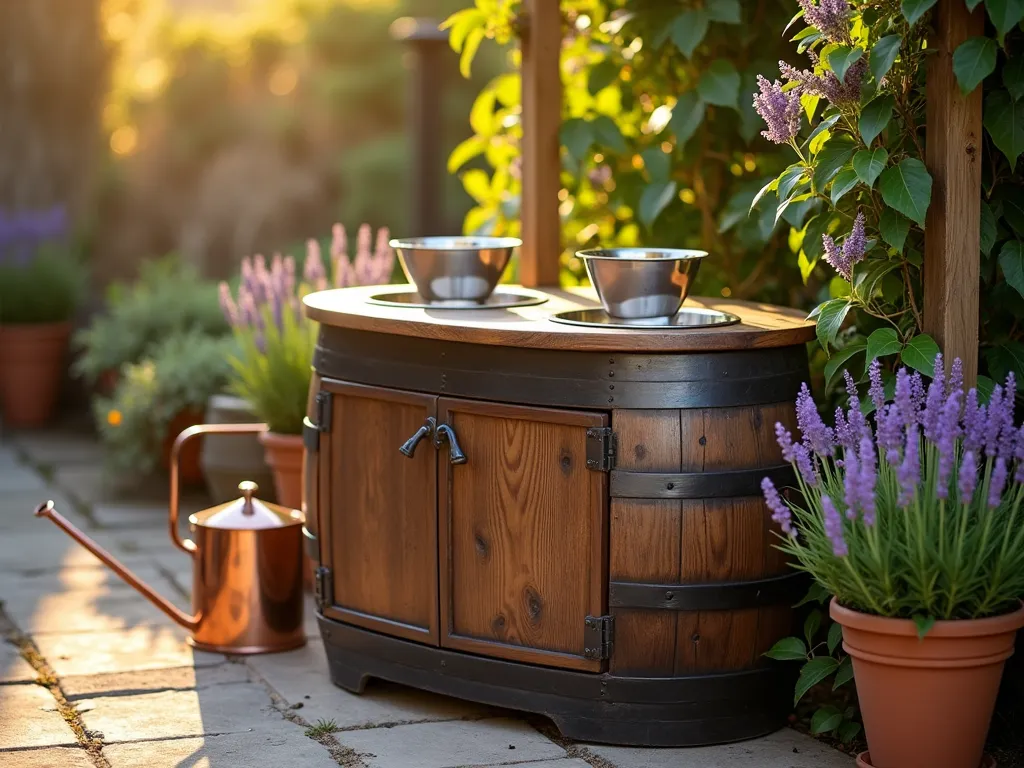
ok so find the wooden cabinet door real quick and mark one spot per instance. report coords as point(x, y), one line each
point(523, 533)
point(378, 513)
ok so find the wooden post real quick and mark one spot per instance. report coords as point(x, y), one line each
point(953, 232)
point(542, 119)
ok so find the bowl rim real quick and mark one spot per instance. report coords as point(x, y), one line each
point(622, 254)
point(434, 242)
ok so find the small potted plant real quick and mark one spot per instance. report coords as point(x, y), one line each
point(274, 364)
point(911, 519)
point(41, 285)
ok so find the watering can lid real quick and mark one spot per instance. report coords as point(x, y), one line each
point(247, 513)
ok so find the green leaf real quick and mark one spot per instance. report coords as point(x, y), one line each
point(1013, 76)
point(869, 164)
point(788, 649)
point(1005, 358)
point(771, 186)
point(824, 124)
point(811, 626)
point(830, 318)
point(875, 118)
point(720, 84)
point(848, 731)
point(894, 228)
point(812, 673)
point(835, 636)
point(576, 135)
point(1012, 198)
point(653, 201)
point(815, 228)
point(792, 178)
point(657, 162)
point(1011, 260)
point(913, 10)
point(687, 115)
point(973, 61)
point(466, 151)
point(689, 29)
point(989, 229)
point(908, 188)
point(985, 386)
point(1005, 14)
point(844, 674)
point(602, 75)
point(815, 594)
point(883, 55)
point(920, 352)
point(842, 57)
point(606, 132)
point(923, 624)
point(881, 342)
point(1004, 120)
point(724, 11)
point(806, 264)
point(845, 181)
point(826, 720)
point(833, 156)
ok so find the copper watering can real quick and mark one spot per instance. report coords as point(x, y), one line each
point(247, 578)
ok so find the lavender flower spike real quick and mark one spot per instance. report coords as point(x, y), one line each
point(956, 377)
point(949, 431)
point(805, 464)
point(909, 473)
point(903, 401)
point(817, 437)
point(855, 245)
point(779, 109)
point(834, 527)
point(934, 401)
point(785, 441)
point(830, 17)
point(876, 391)
point(780, 512)
point(890, 433)
point(975, 418)
point(1018, 455)
point(997, 483)
point(835, 258)
point(867, 480)
point(228, 306)
point(851, 482)
point(967, 480)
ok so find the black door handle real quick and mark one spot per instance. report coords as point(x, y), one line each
point(455, 454)
point(409, 446)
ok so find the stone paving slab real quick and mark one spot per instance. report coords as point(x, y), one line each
point(41, 547)
point(136, 649)
point(301, 677)
point(29, 718)
point(86, 483)
point(18, 478)
point(86, 579)
point(71, 612)
point(782, 749)
point(13, 667)
point(571, 762)
point(153, 680)
point(17, 509)
point(254, 750)
point(57, 448)
point(450, 744)
point(48, 757)
point(229, 708)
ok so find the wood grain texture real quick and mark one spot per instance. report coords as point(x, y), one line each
point(953, 156)
point(542, 120)
point(523, 534)
point(763, 326)
point(644, 543)
point(383, 512)
point(311, 467)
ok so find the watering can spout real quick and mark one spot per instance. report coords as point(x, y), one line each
point(188, 621)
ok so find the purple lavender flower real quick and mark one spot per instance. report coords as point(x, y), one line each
point(817, 437)
point(851, 479)
point(855, 245)
point(826, 84)
point(909, 473)
point(289, 276)
point(904, 398)
point(956, 376)
point(934, 401)
point(228, 306)
point(948, 432)
point(830, 17)
point(834, 257)
point(877, 390)
point(997, 483)
point(917, 391)
point(363, 263)
point(249, 316)
point(313, 272)
point(805, 464)
point(343, 277)
point(779, 109)
point(996, 419)
point(867, 481)
point(780, 512)
point(1018, 455)
point(975, 418)
point(834, 527)
point(383, 257)
point(785, 441)
point(890, 433)
point(967, 479)
point(855, 417)
point(1008, 433)
point(844, 434)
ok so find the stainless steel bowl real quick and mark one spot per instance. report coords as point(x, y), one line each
point(455, 268)
point(640, 283)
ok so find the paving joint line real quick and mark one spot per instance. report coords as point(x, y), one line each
point(572, 749)
point(48, 473)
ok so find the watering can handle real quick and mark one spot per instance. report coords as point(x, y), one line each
point(187, 545)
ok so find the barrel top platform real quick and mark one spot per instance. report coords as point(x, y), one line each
point(763, 326)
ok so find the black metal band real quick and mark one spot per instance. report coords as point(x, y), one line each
point(737, 595)
point(312, 544)
point(696, 485)
point(556, 378)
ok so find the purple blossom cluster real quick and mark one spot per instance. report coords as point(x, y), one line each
point(830, 17)
point(939, 421)
point(779, 109)
point(826, 84)
point(23, 233)
point(852, 251)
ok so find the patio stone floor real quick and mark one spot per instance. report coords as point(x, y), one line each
point(92, 675)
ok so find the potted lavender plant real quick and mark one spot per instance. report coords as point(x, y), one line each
point(911, 520)
point(41, 284)
point(273, 368)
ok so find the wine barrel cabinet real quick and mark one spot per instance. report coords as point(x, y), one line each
point(555, 519)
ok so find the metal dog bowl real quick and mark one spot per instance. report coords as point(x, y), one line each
point(446, 269)
point(635, 283)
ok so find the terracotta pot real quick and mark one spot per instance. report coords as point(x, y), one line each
point(927, 703)
point(32, 358)
point(284, 455)
point(190, 472)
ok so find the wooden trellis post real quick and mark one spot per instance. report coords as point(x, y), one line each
point(953, 156)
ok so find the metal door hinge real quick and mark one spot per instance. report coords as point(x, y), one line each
point(323, 588)
point(310, 431)
point(600, 449)
point(598, 637)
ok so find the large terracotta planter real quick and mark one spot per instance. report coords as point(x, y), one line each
point(227, 460)
point(32, 358)
point(284, 455)
point(926, 703)
point(189, 470)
